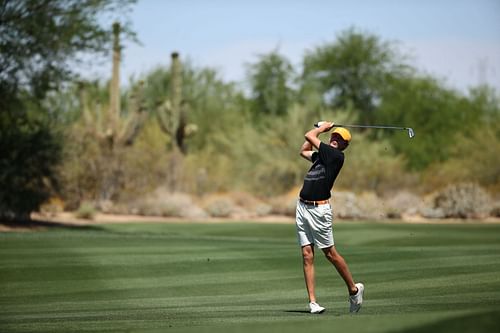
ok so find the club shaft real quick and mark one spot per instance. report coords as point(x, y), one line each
point(372, 126)
point(411, 133)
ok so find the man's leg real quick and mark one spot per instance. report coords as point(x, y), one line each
point(308, 262)
point(338, 261)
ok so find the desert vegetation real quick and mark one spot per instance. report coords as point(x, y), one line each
point(180, 141)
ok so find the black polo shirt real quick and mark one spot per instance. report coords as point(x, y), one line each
point(319, 180)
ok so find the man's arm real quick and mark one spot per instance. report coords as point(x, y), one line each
point(306, 151)
point(312, 135)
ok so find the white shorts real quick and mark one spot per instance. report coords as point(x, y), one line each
point(314, 224)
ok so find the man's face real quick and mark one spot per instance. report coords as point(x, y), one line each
point(336, 141)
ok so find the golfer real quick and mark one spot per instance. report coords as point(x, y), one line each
point(314, 212)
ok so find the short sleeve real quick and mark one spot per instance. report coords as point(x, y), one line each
point(314, 156)
point(329, 155)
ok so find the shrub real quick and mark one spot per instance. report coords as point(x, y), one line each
point(345, 205)
point(155, 207)
point(86, 211)
point(88, 169)
point(219, 206)
point(431, 212)
point(283, 205)
point(166, 204)
point(401, 203)
point(371, 206)
point(30, 151)
point(465, 200)
point(348, 205)
point(52, 207)
point(250, 204)
point(262, 209)
point(469, 162)
point(495, 211)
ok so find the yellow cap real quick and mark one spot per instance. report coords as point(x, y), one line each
point(343, 132)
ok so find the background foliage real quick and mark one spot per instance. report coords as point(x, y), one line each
point(245, 135)
point(40, 40)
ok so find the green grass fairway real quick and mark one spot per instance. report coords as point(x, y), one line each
point(247, 277)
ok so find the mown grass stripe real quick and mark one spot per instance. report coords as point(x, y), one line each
point(243, 277)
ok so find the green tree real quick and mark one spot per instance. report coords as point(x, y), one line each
point(30, 146)
point(351, 72)
point(40, 42)
point(473, 158)
point(270, 79)
point(486, 106)
point(436, 113)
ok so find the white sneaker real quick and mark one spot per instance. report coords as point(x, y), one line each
point(357, 300)
point(316, 308)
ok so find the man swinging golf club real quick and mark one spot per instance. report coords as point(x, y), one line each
point(314, 213)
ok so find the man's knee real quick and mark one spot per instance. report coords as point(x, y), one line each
point(332, 255)
point(308, 254)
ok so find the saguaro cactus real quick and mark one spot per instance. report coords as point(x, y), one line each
point(108, 124)
point(172, 113)
point(110, 127)
point(114, 89)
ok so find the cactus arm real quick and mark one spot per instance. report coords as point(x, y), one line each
point(134, 129)
point(84, 102)
point(133, 123)
point(163, 114)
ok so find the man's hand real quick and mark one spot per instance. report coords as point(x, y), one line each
point(312, 135)
point(325, 126)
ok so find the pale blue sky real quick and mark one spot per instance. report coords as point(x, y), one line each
point(455, 40)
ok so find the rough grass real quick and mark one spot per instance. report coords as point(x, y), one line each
point(247, 278)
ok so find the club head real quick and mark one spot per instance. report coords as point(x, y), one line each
point(411, 133)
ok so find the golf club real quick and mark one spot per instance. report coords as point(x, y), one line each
point(411, 133)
